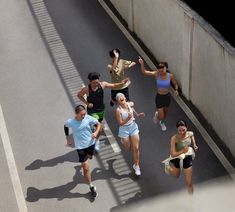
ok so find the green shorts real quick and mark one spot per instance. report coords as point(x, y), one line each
point(98, 115)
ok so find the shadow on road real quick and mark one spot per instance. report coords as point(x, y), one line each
point(65, 191)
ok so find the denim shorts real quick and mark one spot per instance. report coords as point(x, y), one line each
point(128, 130)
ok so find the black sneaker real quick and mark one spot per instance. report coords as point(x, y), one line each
point(94, 193)
point(111, 103)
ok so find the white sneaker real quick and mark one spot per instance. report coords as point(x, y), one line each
point(155, 120)
point(163, 126)
point(137, 170)
point(97, 145)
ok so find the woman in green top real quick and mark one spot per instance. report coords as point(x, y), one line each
point(180, 144)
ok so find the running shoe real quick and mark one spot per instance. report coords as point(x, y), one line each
point(163, 126)
point(155, 120)
point(94, 193)
point(137, 170)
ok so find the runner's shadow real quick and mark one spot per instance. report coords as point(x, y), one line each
point(59, 192)
point(64, 191)
point(68, 157)
point(98, 173)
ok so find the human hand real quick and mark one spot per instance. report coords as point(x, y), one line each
point(116, 54)
point(90, 105)
point(130, 115)
point(68, 141)
point(141, 114)
point(195, 147)
point(125, 80)
point(141, 61)
point(185, 149)
point(94, 135)
point(176, 92)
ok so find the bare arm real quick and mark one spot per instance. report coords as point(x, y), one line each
point(97, 130)
point(195, 147)
point(141, 114)
point(81, 95)
point(146, 72)
point(131, 64)
point(105, 84)
point(173, 151)
point(176, 87)
point(115, 61)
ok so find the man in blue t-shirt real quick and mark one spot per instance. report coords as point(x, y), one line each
point(84, 136)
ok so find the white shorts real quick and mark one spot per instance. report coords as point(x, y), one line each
point(128, 130)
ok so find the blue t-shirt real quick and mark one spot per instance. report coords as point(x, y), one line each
point(82, 131)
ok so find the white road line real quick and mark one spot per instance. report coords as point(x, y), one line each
point(227, 165)
point(12, 165)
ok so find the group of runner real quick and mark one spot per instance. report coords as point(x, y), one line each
point(87, 123)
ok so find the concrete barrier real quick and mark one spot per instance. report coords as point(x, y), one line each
point(201, 60)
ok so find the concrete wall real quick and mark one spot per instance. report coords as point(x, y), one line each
point(202, 62)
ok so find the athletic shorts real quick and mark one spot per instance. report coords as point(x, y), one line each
point(83, 153)
point(128, 130)
point(125, 91)
point(187, 162)
point(97, 115)
point(162, 100)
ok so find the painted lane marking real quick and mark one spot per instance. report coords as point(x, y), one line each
point(12, 165)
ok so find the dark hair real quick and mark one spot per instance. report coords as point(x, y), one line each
point(180, 123)
point(79, 108)
point(161, 65)
point(93, 76)
point(166, 64)
point(111, 53)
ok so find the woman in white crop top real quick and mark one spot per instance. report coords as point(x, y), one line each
point(128, 129)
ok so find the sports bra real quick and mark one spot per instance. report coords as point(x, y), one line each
point(125, 114)
point(163, 83)
point(185, 142)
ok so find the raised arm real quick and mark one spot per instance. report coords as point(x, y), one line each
point(146, 72)
point(115, 61)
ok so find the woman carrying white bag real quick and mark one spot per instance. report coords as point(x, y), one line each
point(182, 154)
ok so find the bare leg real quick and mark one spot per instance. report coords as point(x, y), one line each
point(165, 112)
point(135, 140)
point(161, 115)
point(126, 144)
point(175, 172)
point(86, 171)
point(189, 179)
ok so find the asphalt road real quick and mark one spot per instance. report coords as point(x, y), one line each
point(36, 104)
